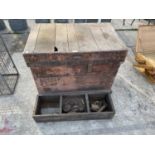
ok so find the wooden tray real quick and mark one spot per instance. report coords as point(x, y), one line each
point(49, 107)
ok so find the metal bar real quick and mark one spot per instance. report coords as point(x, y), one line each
point(9, 74)
point(132, 29)
point(6, 33)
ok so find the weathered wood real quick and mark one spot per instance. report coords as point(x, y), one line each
point(58, 71)
point(107, 114)
point(77, 70)
point(31, 41)
point(70, 57)
point(106, 38)
point(112, 38)
point(87, 102)
point(46, 39)
point(73, 83)
point(61, 42)
point(71, 117)
point(74, 58)
point(72, 38)
point(84, 38)
point(100, 40)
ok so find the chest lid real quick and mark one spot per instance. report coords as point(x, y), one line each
point(67, 38)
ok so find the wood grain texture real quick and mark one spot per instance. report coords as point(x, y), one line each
point(72, 38)
point(46, 39)
point(112, 39)
point(85, 39)
point(31, 41)
point(87, 58)
point(61, 41)
point(99, 38)
point(74, 58)
point(91, 81)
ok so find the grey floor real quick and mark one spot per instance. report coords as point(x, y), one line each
point(133, 97)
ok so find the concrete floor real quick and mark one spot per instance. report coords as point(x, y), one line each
point(133, 97)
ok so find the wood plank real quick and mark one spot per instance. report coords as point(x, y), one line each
point(46, 39)
point(85, 38)
point(57, 71)
point(101, 41)
point(75, 82)
point(112, 39)
point(61, 38)
point(72, 40)
point(74, 117)
point(31, 41)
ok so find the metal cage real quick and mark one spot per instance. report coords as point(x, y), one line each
point(8, 71)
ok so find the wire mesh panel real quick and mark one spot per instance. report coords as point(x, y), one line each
point(8, 71)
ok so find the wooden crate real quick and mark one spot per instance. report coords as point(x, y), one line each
point(70, 57)
point(145, 52)
point(73, 58)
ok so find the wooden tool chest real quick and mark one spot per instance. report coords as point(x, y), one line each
point(73, 58)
